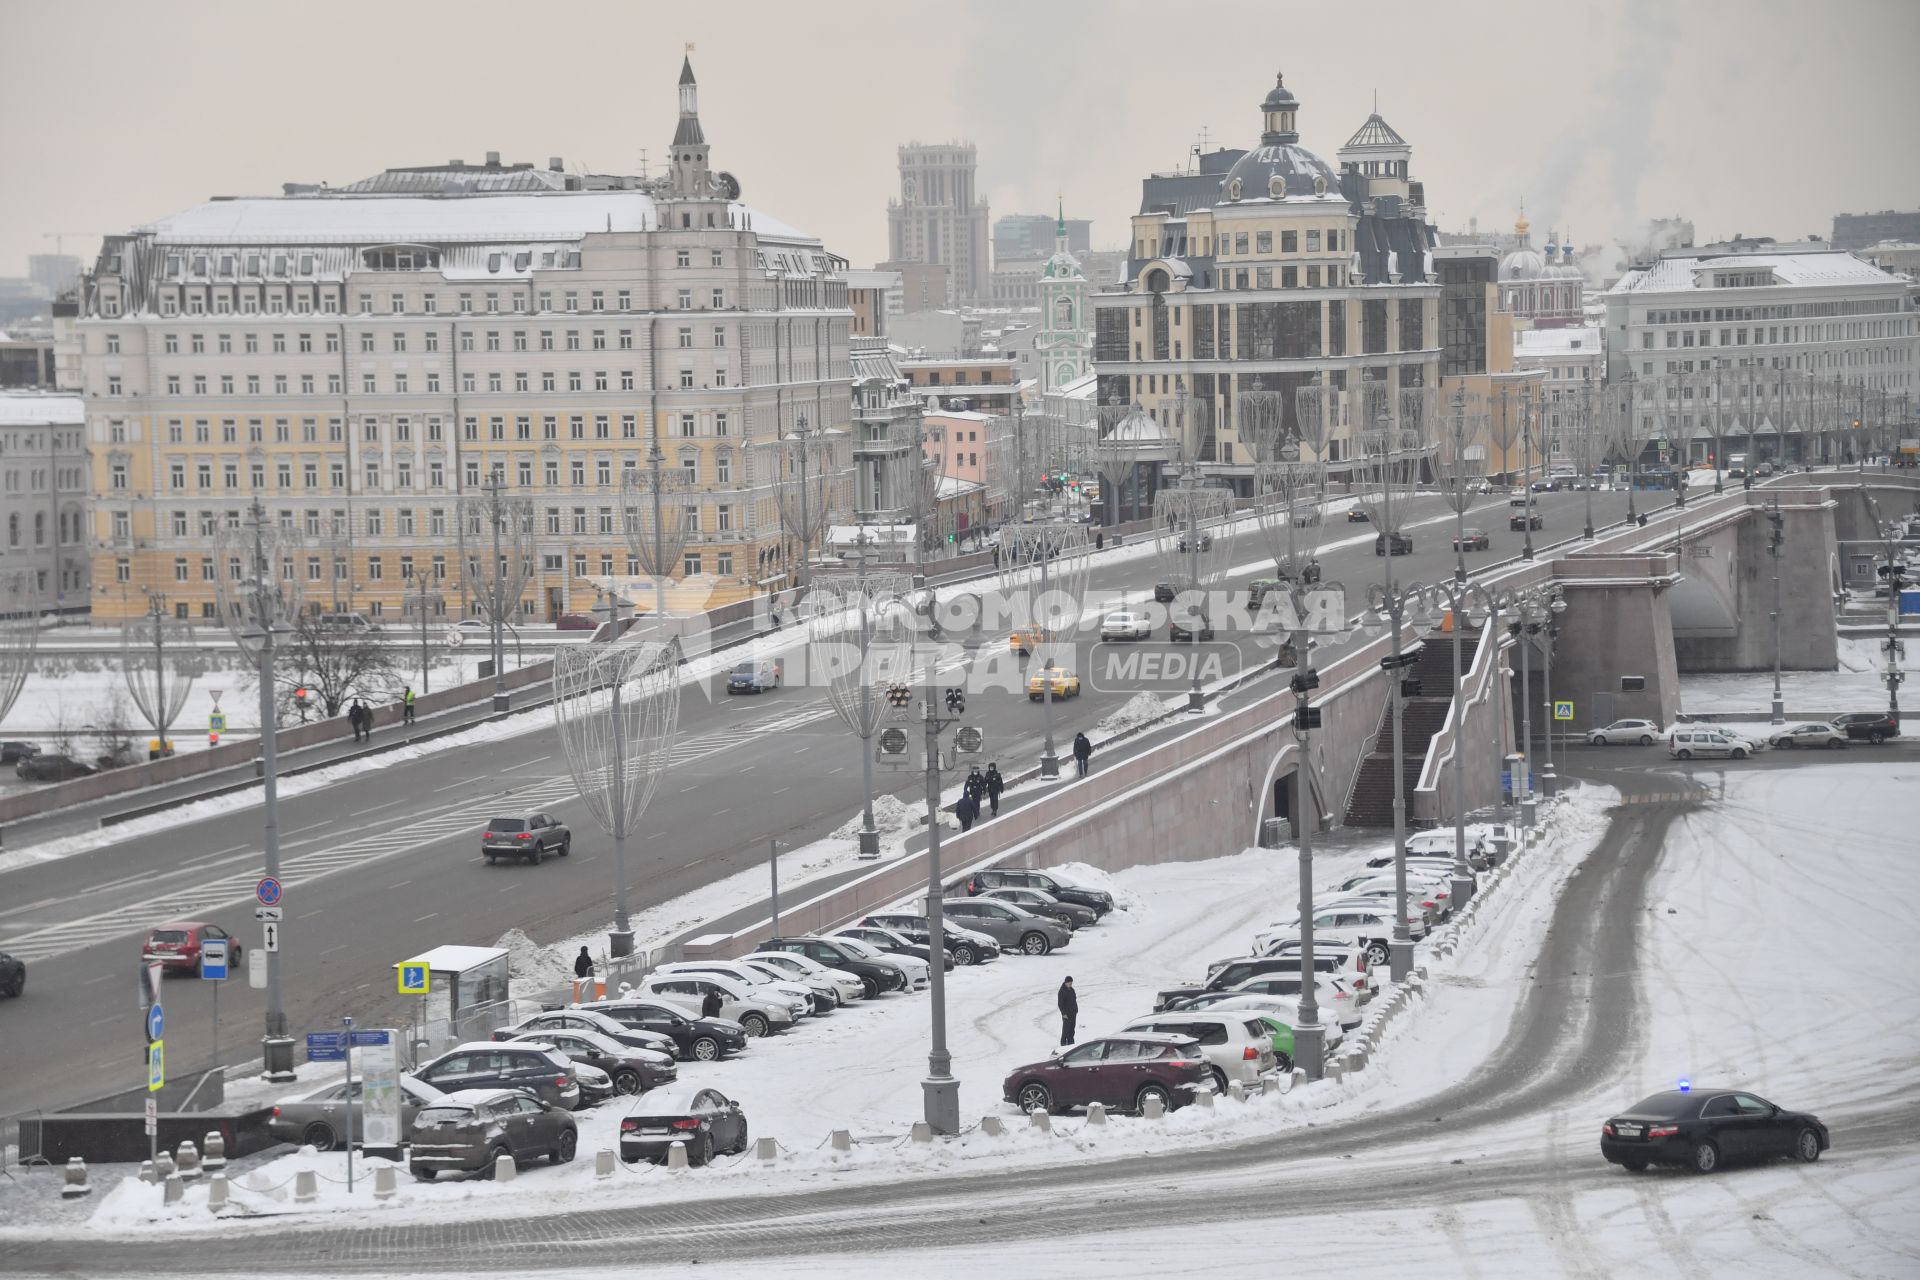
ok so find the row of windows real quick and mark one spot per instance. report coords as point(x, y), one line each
point(404, 474)
point(1238, 243)
point(34, 479)
point(1780, 311)
point(71, 529)
point(1842, 331)
point(491, 340)
point(400, 382)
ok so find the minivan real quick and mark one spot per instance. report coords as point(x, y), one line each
point(1688, 743)
point(354, 622)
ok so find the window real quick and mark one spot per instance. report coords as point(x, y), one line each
point(717, 259)
point(1313, 242)
point(719, 335)
point(686, 299)
point(719, 299)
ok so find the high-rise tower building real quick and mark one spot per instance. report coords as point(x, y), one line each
point(938, 219)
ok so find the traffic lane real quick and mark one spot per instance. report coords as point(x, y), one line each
point(1638, 758)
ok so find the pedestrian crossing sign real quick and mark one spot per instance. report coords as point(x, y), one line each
point(156, 1066)
point(1563, 711)
point(414, 979)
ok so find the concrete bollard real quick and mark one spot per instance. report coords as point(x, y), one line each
point(386, 1182)
point(188, 1160)
point(1357, 1060)
point(146, 1172)
point(1336, 1071)
point(603, 1163)
point(1203, 1098)
point(176, 1190)
point(991, 1126)
point(922, 1131)
point(1040, 1120)
point(1153, 1109)
point(1269, 1084)
point(306, 1187)
point(677, 1156)
point(1096, 1113)
point(76, 1183)
point(504, 1169)
point(213, 1152)
point(1299, 1076)
point(1238, 1091)
point(768, 1149)
point(162, 1167)
point(841, 1140)
point(217, 1192)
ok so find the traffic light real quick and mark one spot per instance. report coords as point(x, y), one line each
point(949, 539)
point(1305, 681)
point(1307, 718)
point(956, 701)
point(1410, 687)
point(899, 695)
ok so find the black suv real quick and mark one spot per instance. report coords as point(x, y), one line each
point(1870, 726)
point(971, 947)
point(539, 1069)
point(695, 1039)
point(1011, 878)
point(893, 943)
point(1402, 543)
point(875, 978)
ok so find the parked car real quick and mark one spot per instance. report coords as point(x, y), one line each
point(468, 1131)
point(51, 766)
point(1809, 735)
point(629, 1070)
point(846, 987)
point(13, 974)
point(15, 752)
point(754, 677)
point(1338, 1002)
point(575, 622)
point(1025, 640)
point(1065, 684)
point(1525, 520)
point(916, 971)
point(1685, 744)
point(1206, 543)
point(527, 837)
point(1227, 975)
point(1358, 515)
point(317, 1117)
point(694, 1038)
point(1164, 592)
point(707, 1121)
point(786, 986)
point(889, 941)
point(1237, 1048)
point(1121, 1072)
point(835, 954)
point(1870, 726)
point(758, 1013)
point(1638, 732)
point(1024, 878)
point(1472, 540)
point(1702, 1129)
point(536, 1068)
point(582, 1018)
point(176, 945)
point(1042, 903)
point(966, 945)
point(1402, 544)
point(1125, 625)
point(1014, 927)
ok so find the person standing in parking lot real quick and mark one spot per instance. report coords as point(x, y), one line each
point(1069, 1002)
point(1082, 752)
point(995, 785)
point(711, 1003)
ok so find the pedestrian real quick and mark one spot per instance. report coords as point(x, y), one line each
point(711, 1004)
point(966, 808)
point(995, 785)
point(366, 721)
point(1099, 541)
point(583, 964)
point(406, 704)
point(976, 785)
point(1069, 1011)
point(356, 717)
point(1082, 752)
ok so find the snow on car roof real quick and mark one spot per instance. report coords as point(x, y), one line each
point(671, 1099)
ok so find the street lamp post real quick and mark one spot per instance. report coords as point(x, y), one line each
point(1776, 534)
point(423, 602)
point(940, 1091)
point(1526, 446)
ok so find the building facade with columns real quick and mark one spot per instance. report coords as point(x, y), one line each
point(1292, 273)
point(358, 360)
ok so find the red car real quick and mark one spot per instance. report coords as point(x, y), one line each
point(177, 945)
point(1119, 1072)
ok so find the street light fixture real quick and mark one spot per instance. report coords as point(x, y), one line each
point(860, 643)
point(159, 663)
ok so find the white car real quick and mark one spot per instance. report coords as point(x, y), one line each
point(1809, 735)
point(1126, 625)
point(1640, 733)
point(1338, 1002)
point(826, 994)
point(845, 985)
point(1236, 1047)
point(1348, 962)
point(758, 1012)
point(1685, 744)
point(913, 967)
point(578, 1019)
point(791, 989)
point(1284, 1009)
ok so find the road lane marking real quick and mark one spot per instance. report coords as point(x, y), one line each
point(463, 782)
point(403, 884)
point(423, 919)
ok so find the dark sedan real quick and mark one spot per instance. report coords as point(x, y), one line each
point(1042, 903)
point(1402, 544)
point(706, 1120)
point(1473, 540)
point(1358, 515)
point(631, 1070)
point(695, 1039)
point(15, 752)
point(50, 767)
point(1119, 1072)
point(1701, 1129)
point(1521, 519)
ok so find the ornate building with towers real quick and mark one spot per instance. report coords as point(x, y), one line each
point(1064, 344)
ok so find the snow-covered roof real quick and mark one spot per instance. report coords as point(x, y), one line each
point(954, 486)
point(452, 957)
point(38, 408)
point(1574, 340)
point(1683, 273)
point(405, 219)
point(963, 415)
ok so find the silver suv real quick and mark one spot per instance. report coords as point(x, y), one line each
point(1011, 925)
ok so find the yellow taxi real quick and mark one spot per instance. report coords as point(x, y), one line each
point(1025, 640)
point(1065, 684)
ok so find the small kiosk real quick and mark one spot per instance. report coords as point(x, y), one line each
point(463, 993)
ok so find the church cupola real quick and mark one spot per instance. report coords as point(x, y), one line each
point(1277, 113)
point(689, 166)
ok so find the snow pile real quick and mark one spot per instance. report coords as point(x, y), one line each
point(534, 967)
point(895, 819)
point(1140, 709)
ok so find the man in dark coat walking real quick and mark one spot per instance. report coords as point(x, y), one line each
point(1082, 752)
point(995, 785)
point(1069, 1011)
point(710, 1005)
point(355, 717)
point(976, 786)
point(967, 809)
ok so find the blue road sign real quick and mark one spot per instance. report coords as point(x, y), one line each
point(268, 891)
point(156, 1022)
point(414, 979)
point(361, 1039)
point(213, 959)
point(326, 1046)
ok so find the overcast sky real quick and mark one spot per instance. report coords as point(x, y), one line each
point(1758, 116)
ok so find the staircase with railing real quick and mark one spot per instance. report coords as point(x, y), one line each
point(1370, 801)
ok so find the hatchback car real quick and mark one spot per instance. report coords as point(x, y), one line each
point(1638, 732)
point(1685, 744)
point(1472, 540)
point(1065, 684)
point(1237, 1047)
point(470, 1130)
point(176, 946)
point(707, 1121)
point(694, 1038)
point(1121, 1072)
point(1125, 625)
point(1025, 878)
point(1705, 1128)
point(1015, 928)
point(966, 945)
point(1402, 544)
point(629, 1070)
point(754, 677)
point(51, 767)
point(1809, 735)
point(1042, 903)
point(526, 837)
point(318, 1118)
point(534, 1068)
point(1525, 520)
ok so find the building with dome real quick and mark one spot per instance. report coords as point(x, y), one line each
point(1293, 271)
point(1064, 344)
point(1542, 289)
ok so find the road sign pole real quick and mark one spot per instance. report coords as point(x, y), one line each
point(216, 1026)
point(348, 1022)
